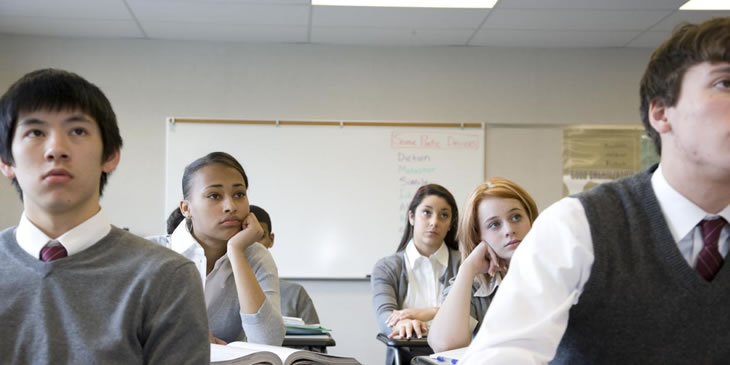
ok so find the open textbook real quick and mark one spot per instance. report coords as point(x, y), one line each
point(244, 353)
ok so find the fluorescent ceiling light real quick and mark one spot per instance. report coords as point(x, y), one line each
point(461, 4)
point(706, 5)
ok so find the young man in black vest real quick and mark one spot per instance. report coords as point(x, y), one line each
point(632, 271)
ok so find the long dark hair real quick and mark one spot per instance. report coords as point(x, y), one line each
point(220, 158)
point(421, 193)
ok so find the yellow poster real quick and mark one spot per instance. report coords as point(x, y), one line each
point(594, 155)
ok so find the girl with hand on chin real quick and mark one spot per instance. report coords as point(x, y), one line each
point(407, 285)
point(497, 217)
point(214, 228)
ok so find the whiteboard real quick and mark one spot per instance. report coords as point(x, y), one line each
point(337, 196)
point(531, 156)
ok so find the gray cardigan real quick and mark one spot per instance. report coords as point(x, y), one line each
point(390, 284)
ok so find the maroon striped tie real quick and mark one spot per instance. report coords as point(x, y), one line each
point(709, 260)
point(50, 253)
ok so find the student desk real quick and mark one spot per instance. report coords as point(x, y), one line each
point(316, 343)
point(411, 347)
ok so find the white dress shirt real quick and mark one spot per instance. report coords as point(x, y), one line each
point(424, 274)
point(32, 240)
point(528, 316)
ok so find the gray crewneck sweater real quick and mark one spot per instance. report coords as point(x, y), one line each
point(123, 300)
point(643, 304)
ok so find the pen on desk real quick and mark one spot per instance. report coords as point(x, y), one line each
point(443, 359)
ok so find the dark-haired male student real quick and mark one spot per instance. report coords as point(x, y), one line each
point(75, 289)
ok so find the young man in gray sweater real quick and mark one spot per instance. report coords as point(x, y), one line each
point(75, 289)
point(632, 271)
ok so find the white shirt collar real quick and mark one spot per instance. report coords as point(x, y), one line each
point(183, 242)
point(487, 290)
point(32, 240)
point(680, 213)
point(441, 255)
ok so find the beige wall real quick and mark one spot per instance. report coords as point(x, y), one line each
point(148, 81)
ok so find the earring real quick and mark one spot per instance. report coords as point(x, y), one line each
point(189, 224)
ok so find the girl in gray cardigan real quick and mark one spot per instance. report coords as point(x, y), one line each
point(407, 285)
point(497, 216)
point(214, 228)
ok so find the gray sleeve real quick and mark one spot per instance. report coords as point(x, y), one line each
point(385, 300)
point(305, 307)
point(265, 326)
point(176, 323)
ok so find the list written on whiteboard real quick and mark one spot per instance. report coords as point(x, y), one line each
point(415, 155)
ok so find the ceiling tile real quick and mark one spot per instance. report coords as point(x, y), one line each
point(225, 32)
point(294, 2)
point(689, 16)
point(573, 19)
point(76, 9)
point(348, 16)
point(390, 37)
point(552, 39)
point(220, 12)
point(81, 28)
point(649, 39)
point(592, 4)
point(515, 23)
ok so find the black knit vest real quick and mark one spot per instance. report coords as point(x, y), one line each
point(643, 304)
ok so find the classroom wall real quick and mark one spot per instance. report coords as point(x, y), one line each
point(148, 81)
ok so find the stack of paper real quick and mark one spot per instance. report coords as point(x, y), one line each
point(296, 326)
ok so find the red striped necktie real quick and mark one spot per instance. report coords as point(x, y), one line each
point(50, 253)
point(709, 261)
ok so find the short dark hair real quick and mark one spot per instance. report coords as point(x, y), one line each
point(57, 90)
point(261, 215)
point(440, 191)
point(689, 45)
point(220, 158)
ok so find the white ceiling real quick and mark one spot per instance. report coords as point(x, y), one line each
point(511, 23)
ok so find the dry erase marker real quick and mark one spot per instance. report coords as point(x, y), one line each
point(443, 359)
